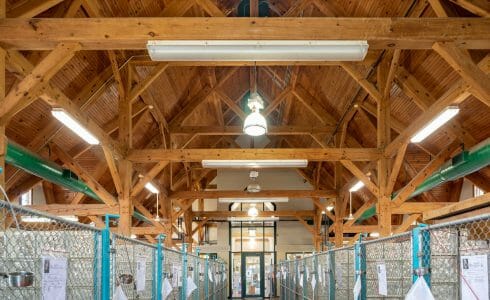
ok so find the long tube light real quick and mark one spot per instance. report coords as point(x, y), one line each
point(253, 200)
point(257, 50)
point(356, 186)
point(447, 114)
point(74, 126)
point(261, 163)
point(152, 188)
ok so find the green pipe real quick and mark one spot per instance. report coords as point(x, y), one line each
point(463, 164)
point(34, 164)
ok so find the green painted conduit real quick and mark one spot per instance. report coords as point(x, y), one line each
point(34, 164)
point(463, 164)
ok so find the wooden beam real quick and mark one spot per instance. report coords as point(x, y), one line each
point(177, 8)
point(463, 206)
point(395, 169)
point(349, 165)
point(84, 175)
point(48, 191)
point(81, 210)
point(29, 88)
point(358, 213)
point(407, 223)
point(210, 8)
point(462, 63)
point(417, 207)
point(245, 194)
point(133, 33)
point(111, 164)
point(362, 81)
point(231, 104)
point(313, 105)
point(238, 130)
point(279, 213)
point(32, 8)
point(154, 171)
point(197, 155)
point(434, 164)
point(478, 7)
point(481, 182)
point(438, 8)
point(141, 86)
point(306, 225)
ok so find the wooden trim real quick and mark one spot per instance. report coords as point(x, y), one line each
point(245, 194)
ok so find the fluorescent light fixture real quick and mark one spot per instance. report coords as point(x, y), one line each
point(255, 219)
point(74, 126)
point(330, 207)
point(447, 114)
point(269, 206)
point(152, 188)
point(34, 219)
point(253, 200)
point(374, 234)
point(257, 50)
point(260, 163)
point(356, 186)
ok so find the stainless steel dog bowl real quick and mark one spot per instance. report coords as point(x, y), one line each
point(126, 278)
point(20, 279)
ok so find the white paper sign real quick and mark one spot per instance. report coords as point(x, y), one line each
point(357, 288)
point(190, 287)
point(210, 275)
point(166, 288)
point(474, 277)
point(382, 282)
point(320, 274)
point(140, 274)
point(419, 290)
point(119, 294)
point(54, 274)
point(301, 280)
point(307, 274)
point(313, 283)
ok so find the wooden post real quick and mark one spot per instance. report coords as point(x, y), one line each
point(339, 214)
point(188, 228)
point(383, 139)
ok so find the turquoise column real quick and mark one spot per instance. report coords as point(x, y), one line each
point(421, 253)
point(360, 266)
point(105, 277)
point(183, 289)
point(159, 266)
point(196, 275)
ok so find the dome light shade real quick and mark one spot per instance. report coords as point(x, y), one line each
point(255, 124)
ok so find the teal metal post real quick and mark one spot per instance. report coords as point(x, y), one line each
point(305, 280)
point(360, 266)
point(196, 274)
point(206, 277)
point(183, 289)
point(105, 278)
point(331, 275)
point(159, 267)
point(421, 253)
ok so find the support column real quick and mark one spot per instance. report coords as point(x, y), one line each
point(339, 213)
point(383, 139)
point(125, 199)
point(188, 228)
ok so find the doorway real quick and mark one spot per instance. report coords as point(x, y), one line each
point(252, 274)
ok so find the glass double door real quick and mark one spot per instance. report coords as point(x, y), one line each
point(252, 274)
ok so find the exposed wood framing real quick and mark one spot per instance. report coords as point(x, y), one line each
point(245, 194)
point(469, 204)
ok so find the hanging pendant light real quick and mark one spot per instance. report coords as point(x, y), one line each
point(255, 123)
point(157, 218)
point(351, 216)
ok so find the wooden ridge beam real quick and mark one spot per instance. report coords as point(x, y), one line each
point(197, 155)
point(459, 207)
point(133, 33)
point(245, 194)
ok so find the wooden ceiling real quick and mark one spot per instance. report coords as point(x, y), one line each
point(88, 57)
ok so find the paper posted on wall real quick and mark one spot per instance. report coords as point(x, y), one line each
point(119, 294)
point(190, 287)
point(140, 274)
point(54, 274)
point(210, 275)
point(419, 290)
point(474, 277)
point(166, 288)
point(313, 282)
point(382, 282)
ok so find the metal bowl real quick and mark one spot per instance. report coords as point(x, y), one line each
point(20, 279)
point(126, 278)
